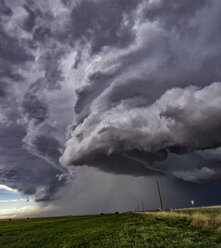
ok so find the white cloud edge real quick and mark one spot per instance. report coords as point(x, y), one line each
point(2, 186)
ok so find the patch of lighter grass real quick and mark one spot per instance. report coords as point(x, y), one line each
point(218, 219)
point(218, 207)
point(207, 221)
point(211, 207)
point(196, 219)
point(167, 214)
point(202, 220)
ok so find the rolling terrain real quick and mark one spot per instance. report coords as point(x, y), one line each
point(128, 230)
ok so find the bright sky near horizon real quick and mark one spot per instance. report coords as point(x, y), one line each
point(13, 203)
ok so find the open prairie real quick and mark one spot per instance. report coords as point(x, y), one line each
point(127, 230)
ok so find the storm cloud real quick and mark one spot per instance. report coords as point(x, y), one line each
point(181, 121)
point(31, 138)
point(127, 87)
point(154, 101)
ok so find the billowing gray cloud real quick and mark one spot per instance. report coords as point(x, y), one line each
point(174, 14)
point(19, 169)
point(31, 133)
point(181, 121)
point(103, 23)
point(153, 97)
point(135, 83)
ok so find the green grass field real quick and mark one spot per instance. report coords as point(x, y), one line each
point(114, 230)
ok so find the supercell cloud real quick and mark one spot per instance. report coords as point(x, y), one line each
point(152, 98)
point(128, 87)
point(182, 121)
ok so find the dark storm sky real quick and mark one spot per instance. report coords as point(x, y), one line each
point(127, 90)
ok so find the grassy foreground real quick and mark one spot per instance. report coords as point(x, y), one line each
point(116, 230)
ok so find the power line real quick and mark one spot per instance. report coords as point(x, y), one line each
point(161, 202)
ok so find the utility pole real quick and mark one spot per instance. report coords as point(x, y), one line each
point(161, 202)
point(142, 206)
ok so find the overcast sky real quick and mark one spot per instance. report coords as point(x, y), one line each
point(99, 99)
